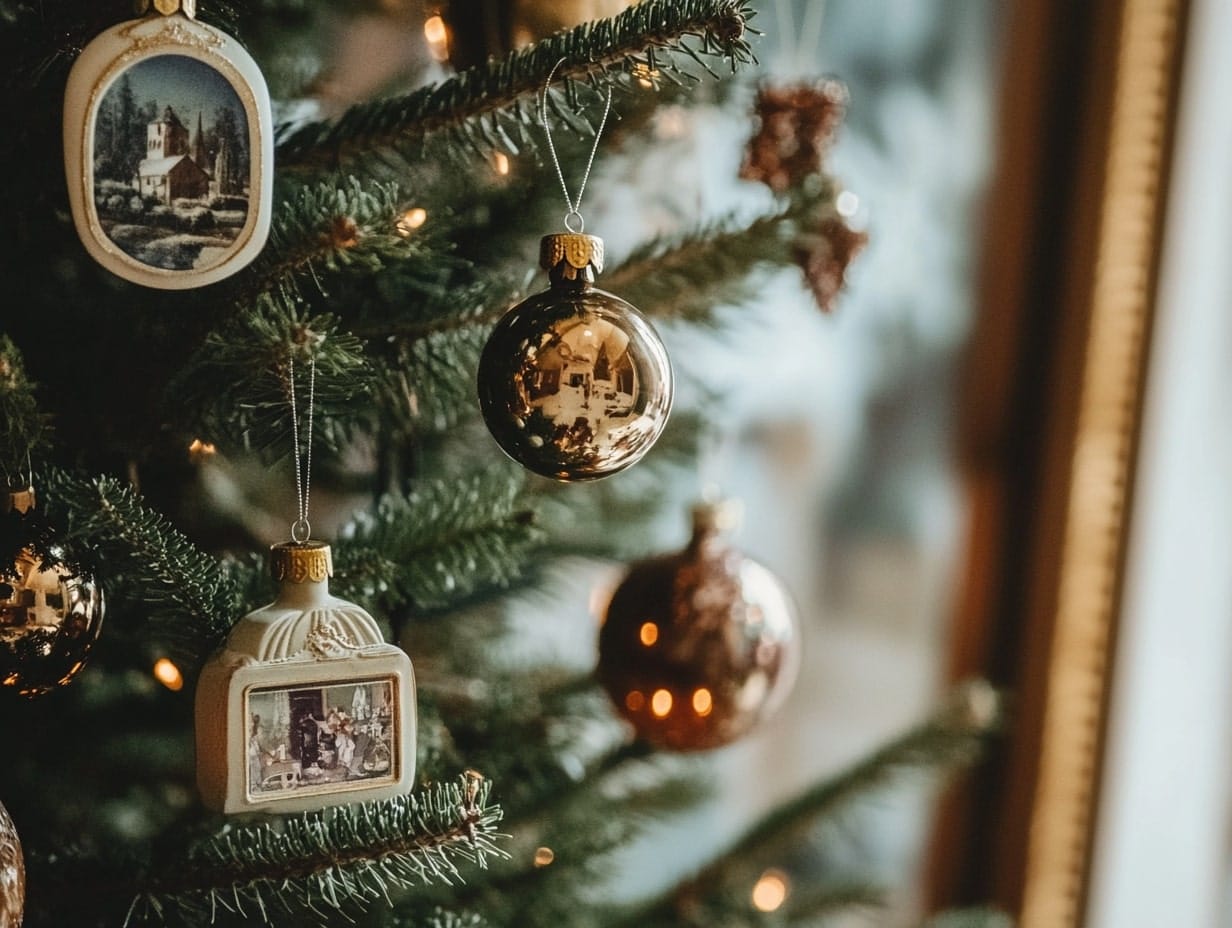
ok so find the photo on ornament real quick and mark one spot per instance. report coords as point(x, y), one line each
point(321, 738)
point(171, 178)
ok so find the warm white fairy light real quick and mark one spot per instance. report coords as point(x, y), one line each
point(770, 891)
point(437, 35)
point(544, 856)
point(168, 675)
point(648, 634)
point(661, 703)
point(411, 220)
point(500, 161)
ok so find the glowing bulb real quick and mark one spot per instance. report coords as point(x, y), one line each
point(544, 856)
point(411, 220)
point(438, 37)
point(661, 703)
point(649, 633)
point(703, 702)
point(770, 891)
point(201, 449)
point(635, 701)
point(168, 675)
point(500, 161)
point(847, 203)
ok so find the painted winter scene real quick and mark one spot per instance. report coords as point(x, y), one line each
point(325, 737)
point(171, 163)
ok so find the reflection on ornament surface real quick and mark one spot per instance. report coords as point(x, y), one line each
point(12, 874)
point(575, 383)
point(700, 646)
point(49, 621)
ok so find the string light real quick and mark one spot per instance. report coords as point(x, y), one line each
point(168, 675)
point(703, 702)
point(500, 161)
point(437, 34)
point(770, 891)
point(647, 76)
point(635, 701)
point(661, 703)
point(544, 856)
point(201, 449)
point(411, 220)
point(649, 633)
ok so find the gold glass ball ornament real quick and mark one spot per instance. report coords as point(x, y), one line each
point(574, 382)
point(12, 873)
point(700, 646)
point(50, 617)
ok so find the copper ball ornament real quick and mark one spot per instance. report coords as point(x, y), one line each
point(574, 382)
point(50, 618)
point(699, 647)
point(12, 873)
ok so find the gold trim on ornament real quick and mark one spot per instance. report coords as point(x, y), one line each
point(310, 562)
point(572, 255)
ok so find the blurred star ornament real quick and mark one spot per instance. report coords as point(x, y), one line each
point(12, 873)
point(797, 124)
point(699, 647)
point(50, 617)
point(306, 705)
point(574, 382)
point(169, 196)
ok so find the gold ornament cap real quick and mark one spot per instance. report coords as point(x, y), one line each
point(168, 7)
point(571, 256)
point(22, 500)
point(301, 562)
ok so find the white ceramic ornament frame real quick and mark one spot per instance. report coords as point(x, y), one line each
point(100, 65)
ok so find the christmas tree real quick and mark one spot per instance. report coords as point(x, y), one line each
point(164, 432)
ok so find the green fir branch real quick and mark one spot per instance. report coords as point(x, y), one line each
point(483, 108)
point(335, 863)
point(336, 225)
point(439, 545)
point(187, 598)
point(954, 737)
point(687, 276)
point(236, 388)
point(24, 430)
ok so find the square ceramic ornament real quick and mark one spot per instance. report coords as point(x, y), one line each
point(168, 150)
point(306, 705)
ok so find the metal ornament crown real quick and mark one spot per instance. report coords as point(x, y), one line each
point(310, 561)
point(571, 256)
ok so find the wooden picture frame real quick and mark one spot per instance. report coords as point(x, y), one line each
point(1050, 430)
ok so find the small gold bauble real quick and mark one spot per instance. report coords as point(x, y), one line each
point(50, 619)
point(699, 647)
point(12, 873)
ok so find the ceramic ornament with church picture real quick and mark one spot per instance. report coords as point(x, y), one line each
point(168, 150)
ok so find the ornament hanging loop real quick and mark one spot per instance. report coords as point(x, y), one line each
point(301, 528)
point(574, 216)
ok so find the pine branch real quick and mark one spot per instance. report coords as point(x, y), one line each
point(332, 226)
point(187, 598)
point(971, 918)
point(23, 429)
point(439, 545)
point(687, 276)
point(481, 108)
point(236, 388)
point(329, 864)
point(954, 737)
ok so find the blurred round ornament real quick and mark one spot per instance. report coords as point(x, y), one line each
point(574, 382)
point(50, 617)
point(700, 646)
point(12, 873)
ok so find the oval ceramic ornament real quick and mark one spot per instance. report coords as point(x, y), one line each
point(168, 150)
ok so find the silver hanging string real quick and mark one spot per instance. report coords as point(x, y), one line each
point(574, 216)
point(301, 528)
